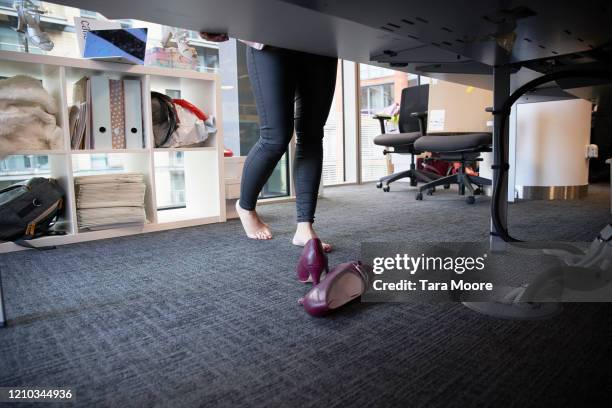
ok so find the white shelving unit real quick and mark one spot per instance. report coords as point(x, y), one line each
point(203, 166)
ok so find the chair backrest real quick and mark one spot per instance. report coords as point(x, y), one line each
point(414, 99)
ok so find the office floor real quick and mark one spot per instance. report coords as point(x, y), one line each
point(204, 317)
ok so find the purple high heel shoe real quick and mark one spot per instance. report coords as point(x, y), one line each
point(344, 283)
point(312, 262)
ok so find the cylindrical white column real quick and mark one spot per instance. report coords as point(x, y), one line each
point(551, 139)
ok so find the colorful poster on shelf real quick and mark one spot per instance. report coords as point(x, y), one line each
point(83, 25)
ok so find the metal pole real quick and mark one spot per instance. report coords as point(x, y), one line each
point(501, 91)
point(2, 315)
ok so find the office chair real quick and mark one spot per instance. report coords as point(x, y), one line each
point(462, 148)
point(412, 125)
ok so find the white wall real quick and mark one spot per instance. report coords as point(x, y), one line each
point(550, 143)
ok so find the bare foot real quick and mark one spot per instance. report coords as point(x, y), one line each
point(254, 227)
point(304, 233)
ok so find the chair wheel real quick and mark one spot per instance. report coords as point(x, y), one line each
point(386, 189)
point(430, 191)
point(470, 200)
point(419, 196)
point(446, 186)
point(478, 191)
point(379, 184)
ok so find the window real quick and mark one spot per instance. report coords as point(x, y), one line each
point(240, 118)
point(170, 180)
point(374, 98)
point(173, 93)
point(58, 22)
point(14, 169)
point(177, 188)
point(333, 142)
point(379, 88)
point(85, 164)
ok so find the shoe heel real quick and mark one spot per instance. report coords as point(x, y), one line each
point(315, 275)
point(312, 262)
point(21, 23)
point(318, 272)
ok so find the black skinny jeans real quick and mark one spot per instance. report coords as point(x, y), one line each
point(291, 88)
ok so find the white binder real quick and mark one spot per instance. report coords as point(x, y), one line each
point(100, 113)
point(133, 114)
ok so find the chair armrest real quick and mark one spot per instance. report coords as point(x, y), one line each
point(381, 119)
point(422, 117)
point(381, 116)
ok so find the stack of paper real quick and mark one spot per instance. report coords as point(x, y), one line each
point(110, 200)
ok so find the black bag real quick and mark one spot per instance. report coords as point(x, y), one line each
point(29, 210)
point(165, 118)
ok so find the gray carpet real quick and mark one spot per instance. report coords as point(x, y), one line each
point(205, 317)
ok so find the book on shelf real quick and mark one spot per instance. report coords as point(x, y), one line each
point(78, 124)
point(81, 95)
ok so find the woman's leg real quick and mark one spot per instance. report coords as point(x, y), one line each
point(273, 81)
point(314, 94)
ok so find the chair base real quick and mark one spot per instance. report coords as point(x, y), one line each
point(463, 180)
point(516, 311)
point(413, 174)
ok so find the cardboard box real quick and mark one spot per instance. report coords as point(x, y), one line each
point(457, 108)
point(169, 58)
point(233, 176)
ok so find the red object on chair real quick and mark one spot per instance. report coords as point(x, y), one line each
point(434, 166)
point(468, 169)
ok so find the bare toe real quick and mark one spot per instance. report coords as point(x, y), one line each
point(253, 226)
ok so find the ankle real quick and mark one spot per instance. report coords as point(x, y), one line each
point(305, 229)
point(241, 208)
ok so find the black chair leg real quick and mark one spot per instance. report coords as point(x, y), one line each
point(2, 314)
point(466, 183)
point(463, 181)
point(397, 176)
point(452, 179)
point(430, 174)
point(479, 181)
point(413, 174)
point(424, 177)
point(394, 177)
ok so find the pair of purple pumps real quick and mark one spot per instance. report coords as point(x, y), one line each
point(344, 283)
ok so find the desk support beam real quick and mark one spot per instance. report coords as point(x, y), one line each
point(501, 91)
point(2, 315)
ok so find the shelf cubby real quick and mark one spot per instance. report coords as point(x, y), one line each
point(52, 165)
point(74, 74)
point(113, 163)
point(199, 174)
point(199, 92)
point(53, 80)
